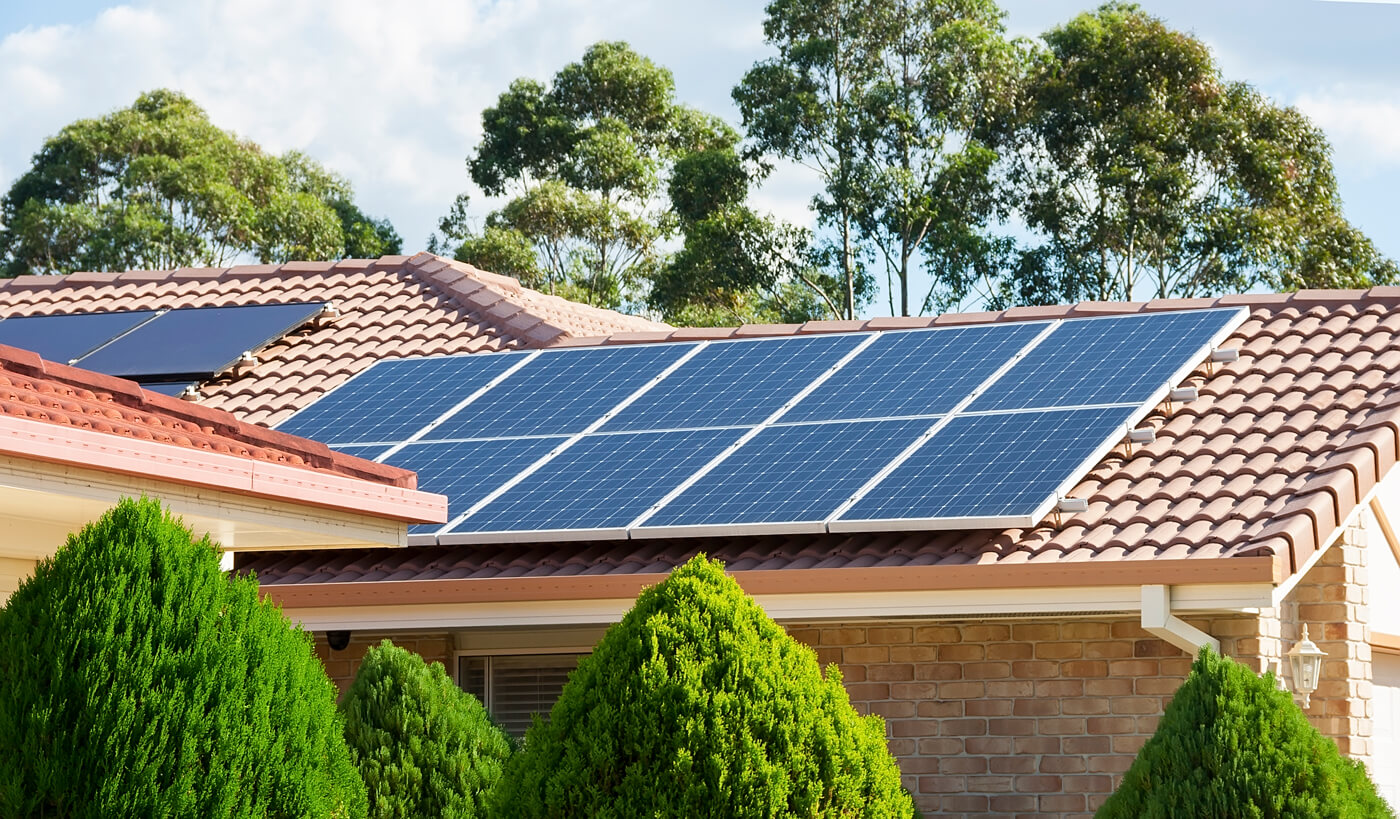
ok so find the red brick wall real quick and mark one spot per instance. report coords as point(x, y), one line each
point(341, 665)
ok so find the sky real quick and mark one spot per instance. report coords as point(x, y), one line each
point(389, 93)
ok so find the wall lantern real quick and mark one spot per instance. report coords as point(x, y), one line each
point(1306, 659)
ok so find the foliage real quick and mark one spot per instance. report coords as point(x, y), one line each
point(1146, 173)
point(584, 160)
point(1232, 744)
point(141, 681)
point(159, 186)
point(424, 747)
point(697, 704)
point(945, 76)
point(736, 266)
point(805, 105)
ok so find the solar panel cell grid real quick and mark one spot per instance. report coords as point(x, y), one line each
point(1103, 361)
point(601, 482)
point(468, 471)
point(990, 466)
point(925, 372)
point(735, 383)
point(791, 473)
point(393, 400)
point(561, 392)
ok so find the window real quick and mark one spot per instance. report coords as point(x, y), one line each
point(514, 686)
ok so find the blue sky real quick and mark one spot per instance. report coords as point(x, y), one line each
point(390, 93)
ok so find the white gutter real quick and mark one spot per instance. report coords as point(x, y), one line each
point(1158, 620)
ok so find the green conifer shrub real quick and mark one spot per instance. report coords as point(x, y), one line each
point(698, 705)
point(1231, 744)
point(424, 747)
point(141, 681)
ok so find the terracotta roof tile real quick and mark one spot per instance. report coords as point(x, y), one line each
point(390, 307)
point(68, 396)
point(1268, 461)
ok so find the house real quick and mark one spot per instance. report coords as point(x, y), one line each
point(1018, 669)
point(74, 442)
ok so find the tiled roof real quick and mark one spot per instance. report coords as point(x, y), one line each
point(391, 307)
point(1259, 471)
point(63, 396)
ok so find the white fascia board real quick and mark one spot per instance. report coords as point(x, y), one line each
point(1042, 602)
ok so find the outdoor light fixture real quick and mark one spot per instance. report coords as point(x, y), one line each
point(1306, 659)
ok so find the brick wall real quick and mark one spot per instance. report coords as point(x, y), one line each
point(1011, 718)
point(341, 665)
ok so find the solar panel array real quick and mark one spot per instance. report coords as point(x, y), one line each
point(956, 427)
point(165, 350)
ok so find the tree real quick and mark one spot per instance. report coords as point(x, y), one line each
point(736, 266)
point(140, 680)
point(159, 186)
point(804, 105)
point(424, 747)
point(1232, 744)
point(697, 704)
point(584, 160)
point(1145, 173)
point(944, 77)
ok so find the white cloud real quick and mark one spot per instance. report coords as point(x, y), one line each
point(389, 94)
point(1358, 126)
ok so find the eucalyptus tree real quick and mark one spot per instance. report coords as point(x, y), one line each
point(945, 76)
point(1143, 172)
point(806, 104)
point(159, 186)
point(583, 161)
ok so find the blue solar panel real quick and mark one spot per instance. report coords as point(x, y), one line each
point(392, 400)
point(467, 471)
point(196, 342)
point(64, 338)
point(920, 372)
point(735, 383)
point(601, 482)
point(789, 474)
point(561, 392)
point(1122, 359)
point(991, 466)
point(369, 453)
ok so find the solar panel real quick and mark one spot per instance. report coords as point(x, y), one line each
point(735, 383)
point(172, 388)
point(786, 478)
point(977, 426)
point(393, 400)
point(196, 342)
point(917, 373)
point(561, 392)
point(988, 470)
point(1119, 359)
point(468, 471)
point(369, 453)
point(599, 485)
point(65, 338)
